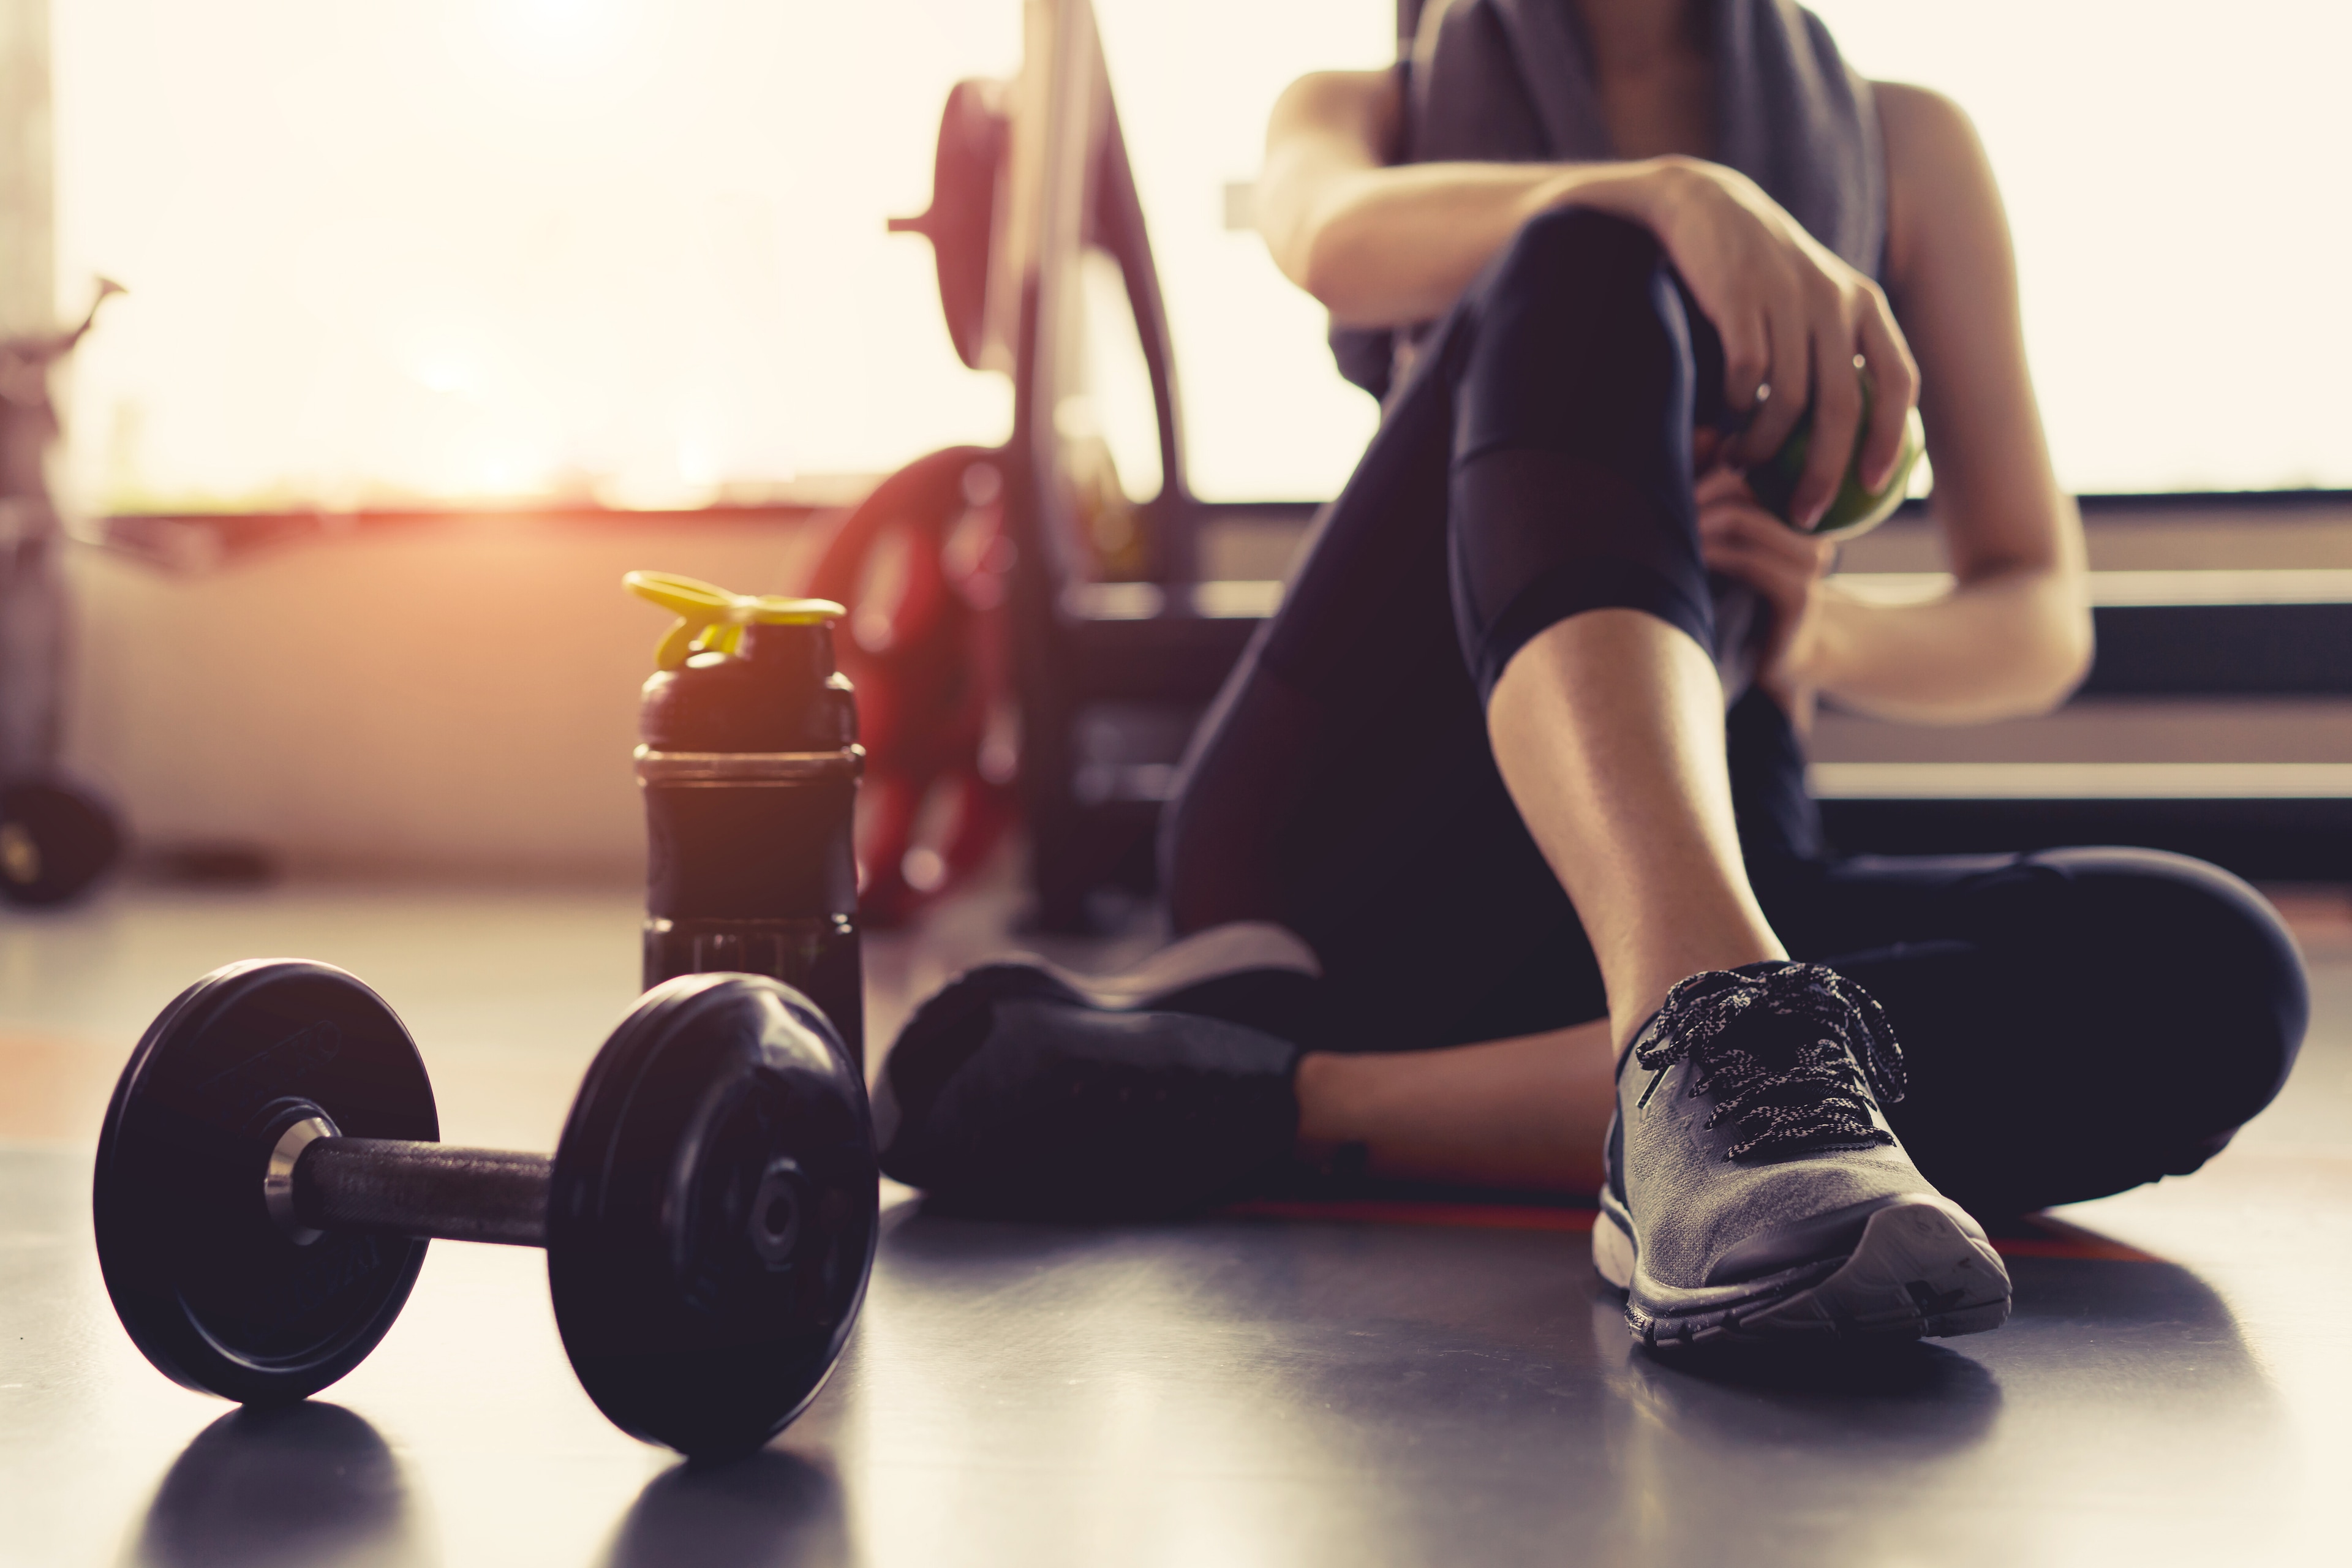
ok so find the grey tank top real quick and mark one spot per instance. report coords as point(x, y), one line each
point(1511, 81)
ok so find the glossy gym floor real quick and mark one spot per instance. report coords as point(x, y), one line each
point(1404, 1386)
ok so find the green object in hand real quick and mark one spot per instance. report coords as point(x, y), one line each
point(1855, 509)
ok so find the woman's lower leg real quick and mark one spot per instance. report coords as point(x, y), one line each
point(1608, 730)
point(1572, 519)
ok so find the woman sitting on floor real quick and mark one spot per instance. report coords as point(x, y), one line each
point(1494, 863)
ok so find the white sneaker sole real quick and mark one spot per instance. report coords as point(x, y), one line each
point(1914, 1273)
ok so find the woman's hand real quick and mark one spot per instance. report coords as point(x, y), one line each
point(1793, 318)
point(1740, 539)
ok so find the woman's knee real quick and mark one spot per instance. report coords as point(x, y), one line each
point(1576, 278)
point(1572, 479)
point(1580, 339)
point(2102, 1018)
point(2202, 979)
point(1579, 252)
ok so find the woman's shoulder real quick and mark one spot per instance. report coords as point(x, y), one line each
point(1379, 92)
point(1921, 124)
point(1939, 186)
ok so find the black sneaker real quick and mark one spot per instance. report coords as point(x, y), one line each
point(1021, 1088)
point(1755, 1191)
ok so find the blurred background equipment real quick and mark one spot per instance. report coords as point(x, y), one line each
point(56, 837)
point(1113, 651)
point(925, 559)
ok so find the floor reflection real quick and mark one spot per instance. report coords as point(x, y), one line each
point(771, 1507)
point(1912, 1398)
point(1378, 1394)
point(307, 1484)
point(2127, 1381)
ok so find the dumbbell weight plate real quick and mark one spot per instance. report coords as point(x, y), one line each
point(211, 1289)
point(54, 841)
point(712, 1216)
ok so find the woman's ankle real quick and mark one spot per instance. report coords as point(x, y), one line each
point(1642, 980)
point(1526, 1113)
point(1323, 1082)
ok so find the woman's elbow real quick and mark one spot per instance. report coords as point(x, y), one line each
point(1326, 270)
point(1297, 237)
point(1324, 263)
point(2041, 623)
point(2082, 649)
point(2060, 662)
point(1302, 251)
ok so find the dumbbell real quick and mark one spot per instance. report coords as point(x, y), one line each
point(271, 1170)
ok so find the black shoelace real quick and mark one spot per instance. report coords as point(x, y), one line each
point(1792, 1053)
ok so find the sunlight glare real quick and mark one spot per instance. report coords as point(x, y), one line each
point(633, 251)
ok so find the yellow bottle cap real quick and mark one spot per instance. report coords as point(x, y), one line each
point(711, 620)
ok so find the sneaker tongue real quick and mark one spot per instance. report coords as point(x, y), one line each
point(1778, 1040)
point(1815, 1019)
point(1775, 1017)
point(1790, 1086)
point(1795, 1056)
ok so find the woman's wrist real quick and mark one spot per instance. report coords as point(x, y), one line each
point(1663, 189)
point(1828, 659)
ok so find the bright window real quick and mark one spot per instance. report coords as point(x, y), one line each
point(2175, 176)
point(632, 249)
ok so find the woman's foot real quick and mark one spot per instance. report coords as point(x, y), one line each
point(1023, 1090)
point(1755, 1190)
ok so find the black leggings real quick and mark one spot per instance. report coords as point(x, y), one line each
point(2075, 1021)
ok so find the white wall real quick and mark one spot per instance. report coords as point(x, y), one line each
point(456, 697)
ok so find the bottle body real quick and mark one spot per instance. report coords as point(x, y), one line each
point(750, 776)
point(817, 957)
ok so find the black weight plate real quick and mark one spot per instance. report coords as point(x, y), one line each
point(713, 1212)
point(210, 1289)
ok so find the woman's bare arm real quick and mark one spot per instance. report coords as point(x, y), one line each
point(1382, 246)
point(1385, 247)
point(2013, 635)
